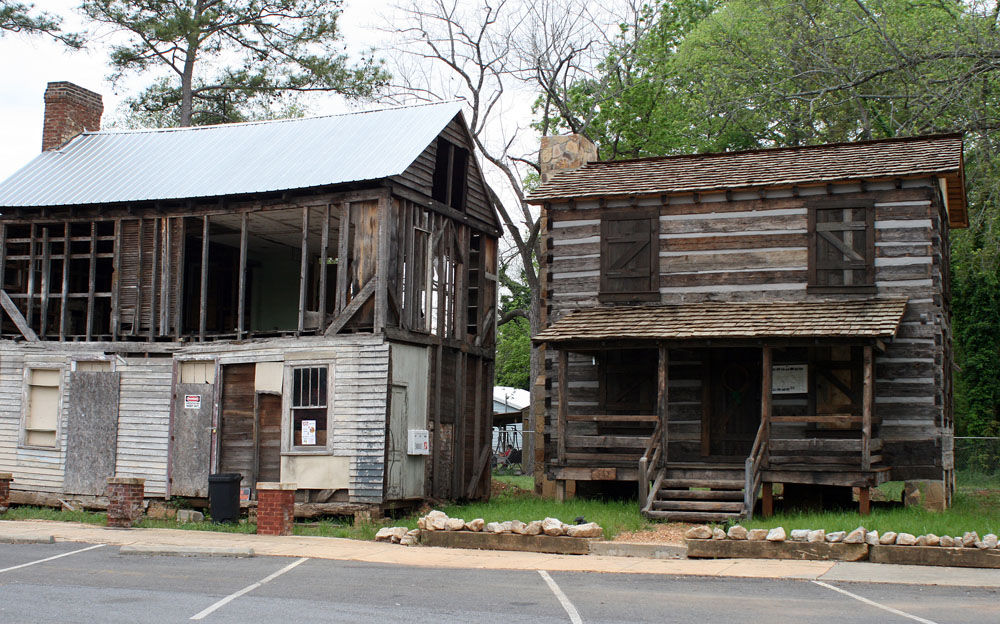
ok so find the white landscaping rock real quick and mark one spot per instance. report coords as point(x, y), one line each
point(889, 537)
point(718, 534)
point(475, 525)
point(516, 526)
point(906, 539)
point(921, 540)
point(736, 532)
point(757, 535)
point(947, 541)
point(553, 527)
point(799, 535)
point(384, 535)
point(454, 524)
point(436, 514)
point(857, 536)
point(590, 529)
point(422, 524)
point(819, 535)
point(439, 523)
point(969, 539)
point(836, 537)
point(533, 528)
point(698, 532)
point(989, 541)
point(408, 540)
point(871, 538)
point(776, 534)
point(933, 540)
point(493, 527)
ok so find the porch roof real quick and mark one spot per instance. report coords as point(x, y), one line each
point(873, 318)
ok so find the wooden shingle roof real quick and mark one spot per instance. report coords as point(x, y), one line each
point(939, 155)
point(865, 318)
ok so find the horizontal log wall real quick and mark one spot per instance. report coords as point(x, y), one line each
point(754, 246)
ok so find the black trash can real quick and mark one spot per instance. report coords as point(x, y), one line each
point(224, 496)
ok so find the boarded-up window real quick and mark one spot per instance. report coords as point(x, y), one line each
point(197, 372)
point(42, 411)
point(309, 406)
point(94, 366)
point(629, 258)
point(842, 246)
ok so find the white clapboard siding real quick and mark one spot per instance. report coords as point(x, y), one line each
point(144, 421)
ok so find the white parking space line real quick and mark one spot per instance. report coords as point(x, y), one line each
point(574, 615)
point(31, 563)
point(249, 588)
point(915, 618)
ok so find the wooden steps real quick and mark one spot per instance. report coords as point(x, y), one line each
point(698, 492)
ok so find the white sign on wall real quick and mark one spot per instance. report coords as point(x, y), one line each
point(789, 379)
point(418, 442)
point(192, 401)
point(308, 432)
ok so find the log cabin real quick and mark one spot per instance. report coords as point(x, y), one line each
point(305, 300)
point(716, 324)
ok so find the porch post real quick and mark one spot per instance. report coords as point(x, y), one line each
point(765, 401)
point(662, 402)
point(866, 413)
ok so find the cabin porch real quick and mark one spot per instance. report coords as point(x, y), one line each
point(704, 428)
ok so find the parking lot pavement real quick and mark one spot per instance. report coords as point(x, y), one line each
point(74, 582)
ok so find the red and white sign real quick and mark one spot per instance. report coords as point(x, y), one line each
point(192, 401)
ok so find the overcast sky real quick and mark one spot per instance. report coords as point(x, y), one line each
point(29, 63)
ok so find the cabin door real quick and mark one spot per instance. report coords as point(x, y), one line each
point(268, 437)
point(237, 436)
point(731, 414)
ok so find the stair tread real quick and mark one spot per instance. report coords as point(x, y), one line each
point(712, 506)
point(718, 484)
point(684, 494)
point(691, 516)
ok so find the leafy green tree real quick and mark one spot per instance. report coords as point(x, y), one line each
point(513, 357)
point(222, 57)
point(19, 17)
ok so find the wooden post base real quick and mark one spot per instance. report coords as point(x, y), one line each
point(767, 500)
point(864, 501)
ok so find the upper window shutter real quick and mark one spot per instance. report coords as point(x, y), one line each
point(842, 245)
point(629, 258)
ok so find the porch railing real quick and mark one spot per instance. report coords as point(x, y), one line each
point(648, 465)
point(751, 467)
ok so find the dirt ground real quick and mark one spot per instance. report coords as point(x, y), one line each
point(667, 533)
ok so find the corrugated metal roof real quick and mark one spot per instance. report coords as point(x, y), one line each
point(231, 159)
point(931, 155)
point(859, 318)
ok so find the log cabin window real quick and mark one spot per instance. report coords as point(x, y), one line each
point(41, 410)
point(309, 407)
point(450, 167)
point(842, 246)
point(629, 258)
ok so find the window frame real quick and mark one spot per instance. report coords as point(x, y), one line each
point(652, 293)
point(22, 438)
point(288, 446)
point(813, 285)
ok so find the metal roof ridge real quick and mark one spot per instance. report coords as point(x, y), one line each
point(257, 122)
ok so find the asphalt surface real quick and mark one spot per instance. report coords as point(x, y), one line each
point(101, 585)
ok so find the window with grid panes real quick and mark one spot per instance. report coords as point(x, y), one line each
point(309, 406)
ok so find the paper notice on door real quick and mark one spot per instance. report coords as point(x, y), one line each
point(308, 432)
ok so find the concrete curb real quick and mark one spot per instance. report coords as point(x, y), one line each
point(646, 551)
point(27, 539)
point(187, 551)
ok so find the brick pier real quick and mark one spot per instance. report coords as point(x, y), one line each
point(124, 501)
point(5, 479)
point(275, 508)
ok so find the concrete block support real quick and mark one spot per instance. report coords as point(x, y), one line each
point(124, 501)
point(5, 479)
point(275, 508)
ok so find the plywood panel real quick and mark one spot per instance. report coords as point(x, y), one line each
point(92, 431)
point(191, 439)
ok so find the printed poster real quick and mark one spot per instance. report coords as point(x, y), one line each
point(308, 432)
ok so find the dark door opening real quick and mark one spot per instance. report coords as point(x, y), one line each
point(731, 413)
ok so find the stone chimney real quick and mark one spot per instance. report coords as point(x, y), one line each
point(564, 152)
point(69, 110)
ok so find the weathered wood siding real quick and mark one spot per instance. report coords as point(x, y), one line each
point(754, 246)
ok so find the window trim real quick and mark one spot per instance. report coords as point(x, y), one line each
point(22, 434)
point(287, 421)
point(652, 294)
point(812, 273)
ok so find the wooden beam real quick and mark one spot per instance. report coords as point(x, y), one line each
point(767, 355)
point(303, 269)
point(767, 499)
point(352, 308)
point(137, 316)
point(43, 309)
point(483, 461)
point(203, 285)
point(91, 280)
point(563, 399)
point(242, 290)
point(166, 250)
point(867, 407)
point(324, 243)
point(17, 317)
point(64, 291)
point(178, 312)
point(116, 285)
point(343, 254)
point(31, 277)
point(435, 206)
point(154, 276)
point(663, 400)
point(382, 265)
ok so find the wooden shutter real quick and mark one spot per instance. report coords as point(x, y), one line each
point(629, 259)
point(842, 246)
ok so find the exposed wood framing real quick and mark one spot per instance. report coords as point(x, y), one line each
point(323, 252)
point(663, 400)
point(64, 290)
point(345, 316)
point(343, 254)
point(563, 398)
point(303, 268)
point(17, 317)
point(767, 356)
point(867, 407)
point(91, 280)
point(382, 264)
point(242, 289)
point(203, 281)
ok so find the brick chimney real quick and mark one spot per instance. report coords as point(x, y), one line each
point(564, 152)
point(69, 110)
